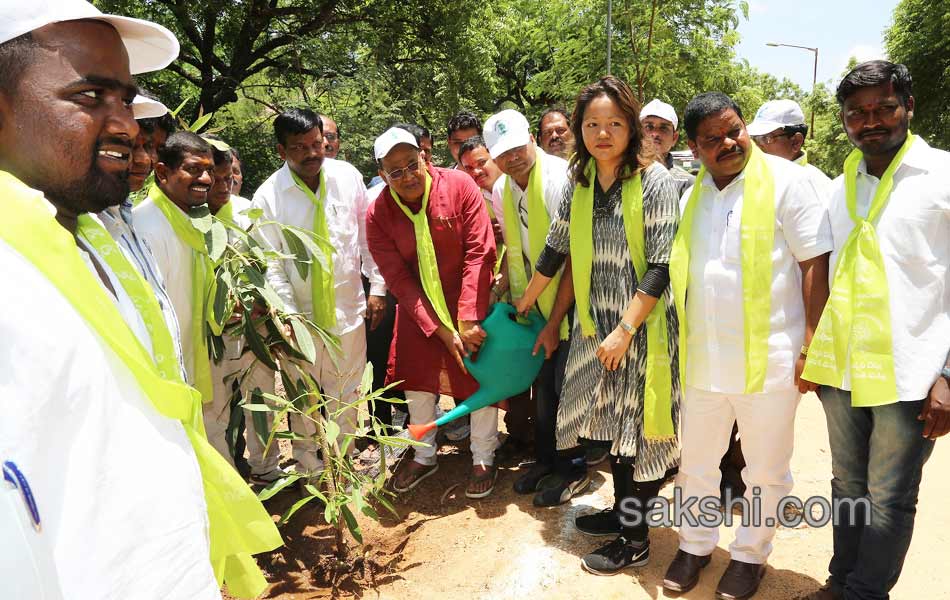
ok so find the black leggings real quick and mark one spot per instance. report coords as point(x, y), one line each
point(626, 487)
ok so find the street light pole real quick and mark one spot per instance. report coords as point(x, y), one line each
point(814, 79)
point(610, 30)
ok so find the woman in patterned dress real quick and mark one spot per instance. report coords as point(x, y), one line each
point(602, 401)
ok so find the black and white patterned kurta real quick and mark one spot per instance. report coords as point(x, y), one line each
point(607, 406)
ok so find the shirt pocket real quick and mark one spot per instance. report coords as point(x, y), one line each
point(914, 237)
point(732, 239)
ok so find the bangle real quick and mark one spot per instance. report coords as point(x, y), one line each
point(627, 327)
point(804, 351)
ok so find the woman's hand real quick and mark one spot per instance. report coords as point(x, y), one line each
point(613, 349)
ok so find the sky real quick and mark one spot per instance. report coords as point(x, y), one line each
point(838, 28)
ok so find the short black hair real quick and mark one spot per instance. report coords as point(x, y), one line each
point(165, 122)
point(873, 73)
point(547, 111)
point(15, 56)
point(220, 156)
point(296, 121)
point(178, 145)
point(704, 105)
point(235, 154)
point(463, 120)
point(476, 141)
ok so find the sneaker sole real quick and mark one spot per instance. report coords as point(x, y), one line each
point(415, 483)
point(574, 488)
point(592, 571)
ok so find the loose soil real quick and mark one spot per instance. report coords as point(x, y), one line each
point(445, 546)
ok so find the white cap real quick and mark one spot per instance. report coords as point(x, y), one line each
point(151, 47)
point(506, 130)
point(774, 114)
point(146, 108)
point(391, 138)
point(658, 108)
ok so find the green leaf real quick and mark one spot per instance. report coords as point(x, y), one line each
point(304, 340)
point(293, 509)
point(200, 122)
point(217, 240)
point(273, 489)
point(332, 431)
point(201, 218)
point(260, 350)
point(352, 524)
point(299, 251)
point(252, 214)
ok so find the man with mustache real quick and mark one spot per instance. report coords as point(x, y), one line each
point(96, 418)
point(660, 130)
point(327, 197)
point(525, 200)
point(889, 398)
point(183, 178)
point(554, 132)
point(749, 268)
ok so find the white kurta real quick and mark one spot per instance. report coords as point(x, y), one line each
point(345, 208)
point(117, 484)
point(174, 259)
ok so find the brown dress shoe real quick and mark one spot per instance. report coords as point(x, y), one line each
point(740, 581)
point(683, 573)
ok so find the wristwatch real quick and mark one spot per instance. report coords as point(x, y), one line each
point(627, 327)
point(945, 372)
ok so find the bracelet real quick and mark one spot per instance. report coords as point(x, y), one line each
point(627, 327)
point(804, 351)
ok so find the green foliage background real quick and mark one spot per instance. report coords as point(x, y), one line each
point(369, 63)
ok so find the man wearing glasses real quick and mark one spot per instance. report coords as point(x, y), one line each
point(659, 129)
point(779, 129)
point(749, 290)
point(328, 197)
point(432, 239)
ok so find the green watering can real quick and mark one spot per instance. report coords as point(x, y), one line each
point(504, 367)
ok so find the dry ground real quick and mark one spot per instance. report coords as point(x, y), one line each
point(447, 547)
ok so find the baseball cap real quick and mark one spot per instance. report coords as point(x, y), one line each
point(504, 131)
point(151, 47)
point(658, 108)
point(391, 138)
point(774, 114)
point(146, 108)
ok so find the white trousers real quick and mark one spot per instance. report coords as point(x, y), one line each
point(217, 413)
point(338, 373)
point(484, 438)
point(767, 429)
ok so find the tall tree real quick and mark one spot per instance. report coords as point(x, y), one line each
point(920, 39)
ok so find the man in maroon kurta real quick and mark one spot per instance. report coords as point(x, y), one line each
point(426, 355)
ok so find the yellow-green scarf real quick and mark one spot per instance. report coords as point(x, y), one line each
point(539, 221)
point(858, 315)
point(202, 275)
point(323, 292)
point(425, 253)
point(238, 524)
point(657, 401)
point(758, 237)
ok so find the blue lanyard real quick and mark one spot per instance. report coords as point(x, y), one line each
point(12, 474)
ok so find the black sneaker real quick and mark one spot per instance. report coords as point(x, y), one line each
point(616, 556)
point(561, 492)
point(530, 482)
point(605, 522)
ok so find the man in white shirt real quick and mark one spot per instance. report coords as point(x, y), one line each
point(184, 174)
point(290, 196)
point(512, 147)
point(660, 129)
point(779, 129)
point(117, 483)
point(878, 449)
point(217, 413)
point(741, 358)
